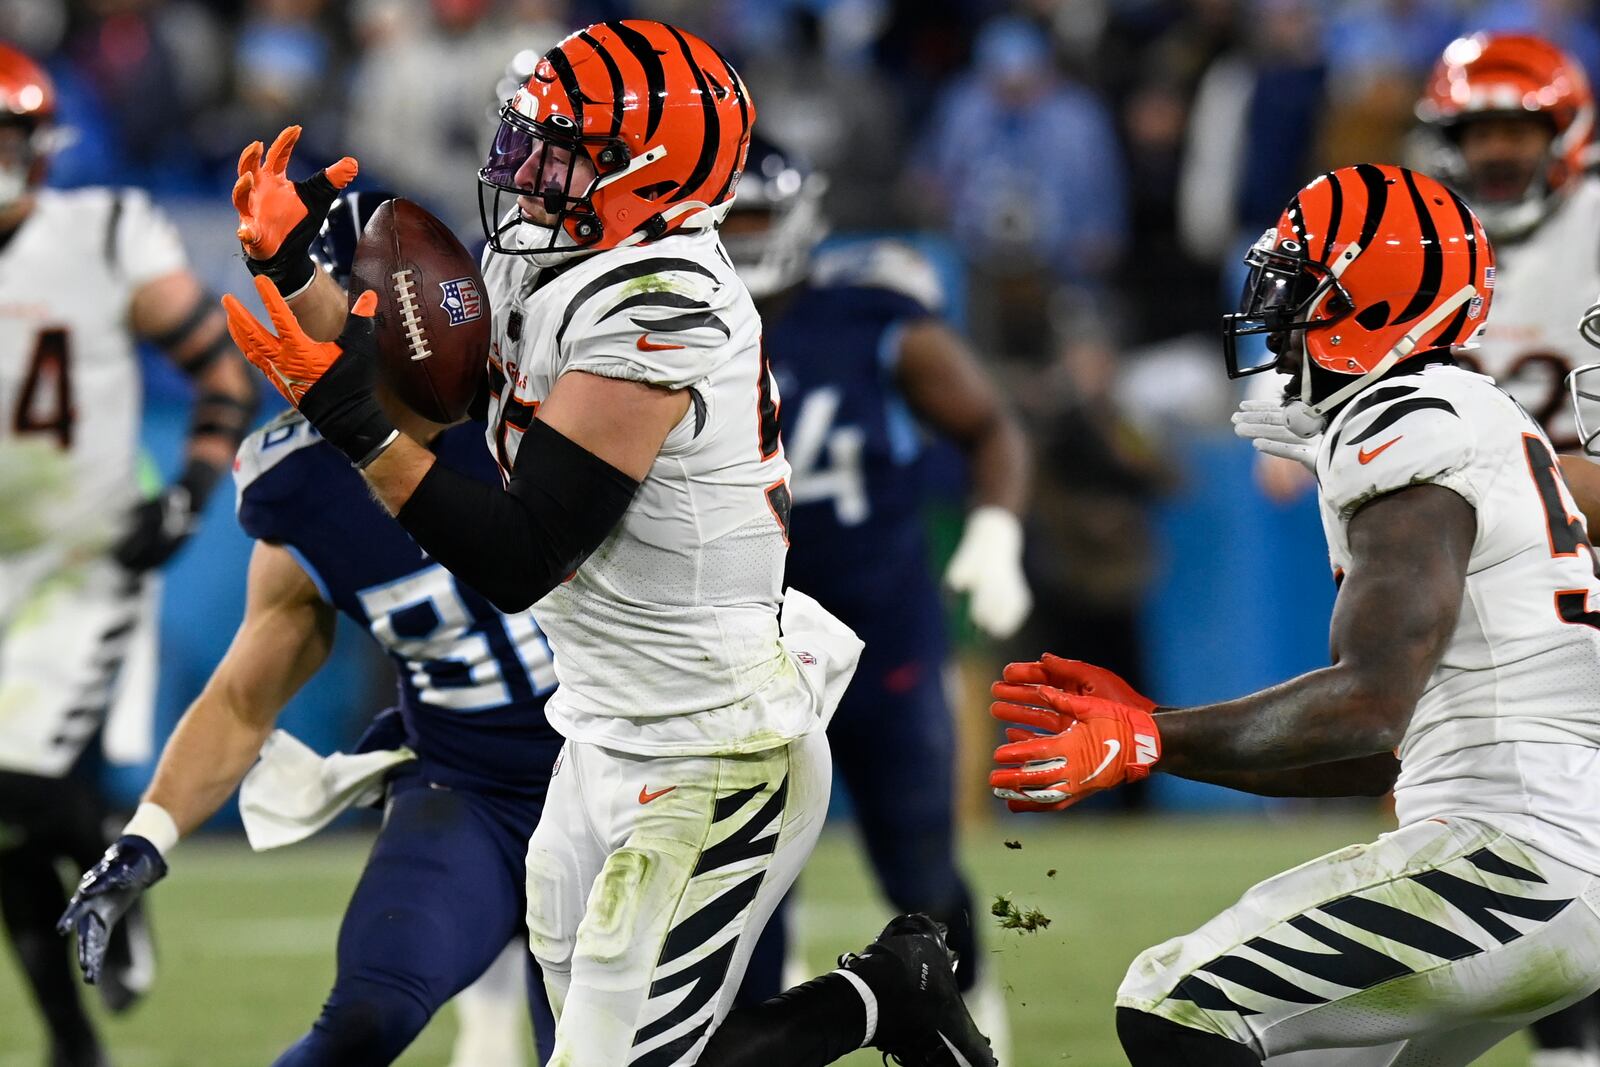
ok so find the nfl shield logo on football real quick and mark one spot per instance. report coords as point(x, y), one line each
point(461, 300)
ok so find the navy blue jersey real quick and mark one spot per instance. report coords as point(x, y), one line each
point(473, 682)
point(858, 542)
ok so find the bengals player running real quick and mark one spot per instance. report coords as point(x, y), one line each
point(84, 276)
point(1512, 120)
point(645, 510)
point(1465, 674)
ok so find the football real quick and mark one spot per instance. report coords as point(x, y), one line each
point(433, 316)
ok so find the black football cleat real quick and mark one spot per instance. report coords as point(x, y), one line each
point(922, 1021)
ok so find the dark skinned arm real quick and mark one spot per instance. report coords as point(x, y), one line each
point(1582, 476)
point(1396, 611)
point(948, 389)
point(1365, 776)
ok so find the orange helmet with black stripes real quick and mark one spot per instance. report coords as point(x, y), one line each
point(1491, 75)
point(28, 102)
point(626, 131)
point(1368, 266)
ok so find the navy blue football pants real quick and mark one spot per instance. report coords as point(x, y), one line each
point(893, 742)
point(441, 896)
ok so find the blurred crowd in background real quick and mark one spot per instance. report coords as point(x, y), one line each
point(1094, 169)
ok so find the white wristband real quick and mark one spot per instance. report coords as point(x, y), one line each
point(155, 825)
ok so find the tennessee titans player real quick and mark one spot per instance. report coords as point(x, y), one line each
point(472, 682)
point(866, 369)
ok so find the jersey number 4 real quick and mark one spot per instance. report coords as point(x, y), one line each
point(44, 405)
point(1566, 531)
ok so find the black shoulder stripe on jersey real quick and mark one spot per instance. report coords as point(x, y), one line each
point(710, 137)
point(569, 83)
point(701, 411)
point(617, 91)
point(1377, 200)
point(655, 78)
point(625, 273)
point(1391, 415)
point(694, 320)
point(1377, 396)
point(663, 299)
point(113, 224)
point(1432, 256)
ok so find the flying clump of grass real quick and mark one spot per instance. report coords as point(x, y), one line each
point(1011, 917)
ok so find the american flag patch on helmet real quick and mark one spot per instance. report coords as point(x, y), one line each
point(461, 300)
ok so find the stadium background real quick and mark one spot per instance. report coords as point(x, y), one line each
point(1084, 174)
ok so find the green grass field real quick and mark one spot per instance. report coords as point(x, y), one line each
point(246, 941)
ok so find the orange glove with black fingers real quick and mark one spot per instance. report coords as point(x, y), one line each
point(331, 382)
point(1076, 676)
point(278, 219)
point(1089, 744)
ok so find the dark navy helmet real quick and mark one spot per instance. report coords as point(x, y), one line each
point(334, 250)
point(776, 221)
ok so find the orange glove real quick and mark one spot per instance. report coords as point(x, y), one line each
point(331, 382)
point(1076, 676)
point(1090, 744)
point(278, 219)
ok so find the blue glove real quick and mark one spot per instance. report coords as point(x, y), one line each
point(130, 866)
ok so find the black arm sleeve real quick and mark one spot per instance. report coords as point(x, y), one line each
point(514, 545)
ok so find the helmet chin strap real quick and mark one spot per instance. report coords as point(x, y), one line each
point(1307, 420)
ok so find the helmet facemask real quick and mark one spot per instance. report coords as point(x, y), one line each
point(1511, 218)
point(775, 252)
point(26, 145)
point(1285, 293)
point(548, 161)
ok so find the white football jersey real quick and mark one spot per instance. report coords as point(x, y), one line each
point(666, 638)
point(1544, 284)
point(69, 372)
point(1508, 726)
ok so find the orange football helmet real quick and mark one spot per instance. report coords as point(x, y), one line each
point(662, 119)
point(27, 100)
point(1368, 266)
point(1491, 74)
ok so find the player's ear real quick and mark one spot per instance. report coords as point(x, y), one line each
point(365, 304)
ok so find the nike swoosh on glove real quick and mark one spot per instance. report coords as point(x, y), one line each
point(987, 565)
point(1089, 745)
point(331, 382)
point(278, 219)
point(105, 893)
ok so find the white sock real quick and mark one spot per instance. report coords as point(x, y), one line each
point(869, 1002)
